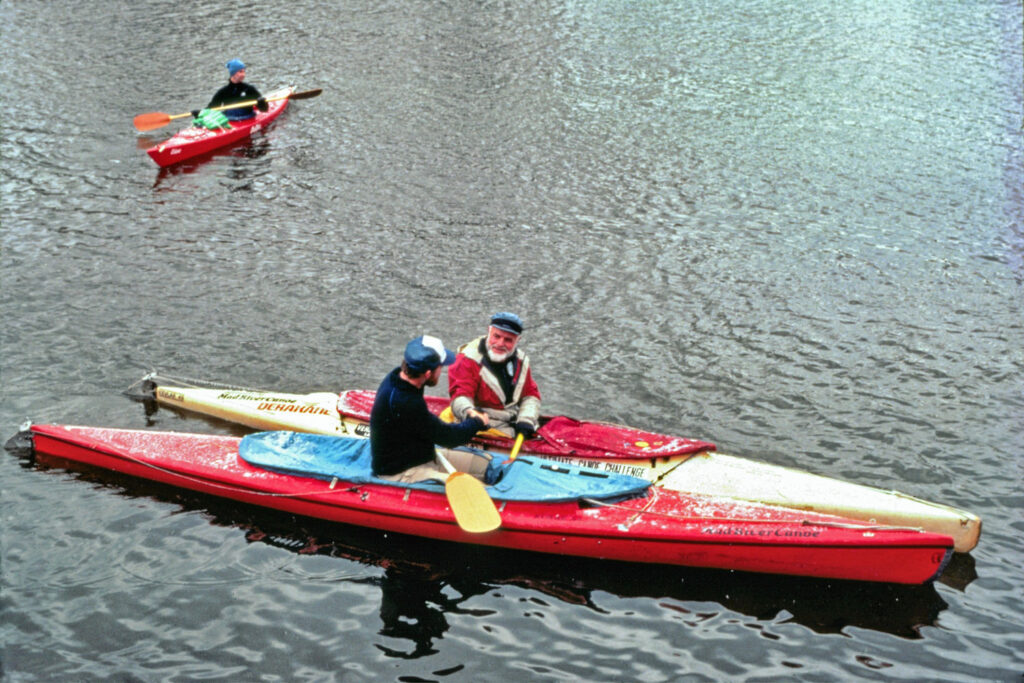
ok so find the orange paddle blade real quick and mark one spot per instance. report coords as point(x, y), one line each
point(152, 120)
point(473, 508)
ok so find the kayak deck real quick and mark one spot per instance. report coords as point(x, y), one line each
point(706, 472)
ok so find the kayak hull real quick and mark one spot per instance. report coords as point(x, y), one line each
point(191, 142)
point(665, 527)
point(706, 473)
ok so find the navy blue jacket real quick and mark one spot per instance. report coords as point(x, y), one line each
point(235, 92)
point(403, 431)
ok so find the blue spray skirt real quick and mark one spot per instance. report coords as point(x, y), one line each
point(348, 459)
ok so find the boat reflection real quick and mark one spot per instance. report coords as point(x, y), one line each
point(413, 607)
point(248, 148)
point(420, 577)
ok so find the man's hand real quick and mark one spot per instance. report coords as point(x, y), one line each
point(480, 415)
point(526, 429)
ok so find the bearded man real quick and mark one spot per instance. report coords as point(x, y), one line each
point(492, 374)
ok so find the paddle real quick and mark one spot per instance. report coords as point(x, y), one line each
point(515, 448)
point(158, 119)
point(473, 508)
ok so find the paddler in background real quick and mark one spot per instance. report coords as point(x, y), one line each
point(237, 90)
point(403, 431)
point(492, 374)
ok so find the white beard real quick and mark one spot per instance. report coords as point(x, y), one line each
point(499, 358)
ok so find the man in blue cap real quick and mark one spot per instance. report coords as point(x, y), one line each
point(237, 91)
point(404, 433)
point(492, 374)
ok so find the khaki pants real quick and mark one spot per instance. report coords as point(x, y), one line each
point(462, 461)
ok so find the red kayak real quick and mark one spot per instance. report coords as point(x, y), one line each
point(653, 526)
point(193, 141)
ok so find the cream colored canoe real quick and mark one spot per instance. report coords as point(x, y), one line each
point(708, 473)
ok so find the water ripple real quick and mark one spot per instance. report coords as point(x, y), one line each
point(794, 230)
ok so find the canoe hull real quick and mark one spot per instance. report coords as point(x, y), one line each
point(664, 528)
point(708, 473)
point(191, 142)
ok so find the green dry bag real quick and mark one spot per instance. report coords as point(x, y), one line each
point(213, 120)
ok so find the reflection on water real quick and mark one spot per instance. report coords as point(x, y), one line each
point(146, 141)
point(419, 578)
point(413, 607)
point(413, 597)
point(249, 148)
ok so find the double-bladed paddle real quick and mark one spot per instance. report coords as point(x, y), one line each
point(473, 508)
point(158, 119)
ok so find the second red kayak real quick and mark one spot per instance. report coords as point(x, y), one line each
point(194, 141)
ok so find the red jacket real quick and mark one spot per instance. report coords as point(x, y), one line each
point(471, 384)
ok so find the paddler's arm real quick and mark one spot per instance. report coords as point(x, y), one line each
point(463, 378)
point(528, 416)
point(253, 94)
point(451, 435)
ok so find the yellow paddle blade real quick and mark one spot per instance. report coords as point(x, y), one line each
point(473, 508)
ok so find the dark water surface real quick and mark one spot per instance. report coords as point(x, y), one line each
point(794, 229)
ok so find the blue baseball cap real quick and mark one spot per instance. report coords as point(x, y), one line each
point(509, 322)
point(426, 353)
point(234, 66)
